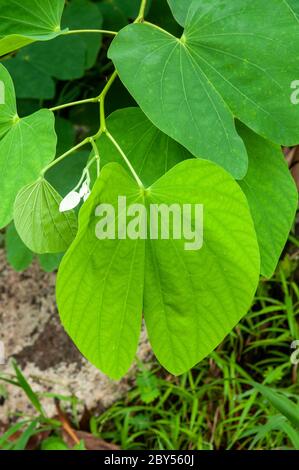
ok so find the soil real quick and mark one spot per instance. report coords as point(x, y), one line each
point(31, 333)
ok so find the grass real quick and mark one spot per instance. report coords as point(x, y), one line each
point(215, 405)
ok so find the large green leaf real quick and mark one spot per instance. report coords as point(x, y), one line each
point(100, 282)
point(38, 221)
point(151, 152)
point(25, 149)
point(180, 9)
point(192, 299)
point(272, 197)
point(25, 21)
point(231, 61)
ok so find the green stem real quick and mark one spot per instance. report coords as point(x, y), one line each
point(74, 103)
point(101, 99)
point(64, 155)
point(127, 161)
point(141, 13)
point(98, 31)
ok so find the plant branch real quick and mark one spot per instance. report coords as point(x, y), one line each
point(74, 103)
point(141, 13)
point(101, 99)
point(98, 31)
point(127, 161)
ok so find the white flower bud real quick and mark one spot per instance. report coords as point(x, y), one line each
point(70, 201)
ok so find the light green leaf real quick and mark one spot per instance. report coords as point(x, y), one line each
point(17, 253)
point(180, 9)
point(230, 61)
point(8, 108)
point(151, 152)
point(272, 197)
point(27, 147)
point(104, 317)
point(192, 299)
point(25, 21)
point(38, 221)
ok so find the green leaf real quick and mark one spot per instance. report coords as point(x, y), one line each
point(24, 151)
point(230, 62)
point(66, 175)
point(191, 299)
point(8, 108)
point(50, 262)
point(281, 403)
point(29, 80)
point(82, 14)
point(38, 221)
point(53, 443)
point(151, 152)
point(104, 318)
point(26, 148)
point(18, 255)
point(26, 387)
point(272, 197)
point(65, 135)
point(180, 9)
point(25, 21)
point(116, 13)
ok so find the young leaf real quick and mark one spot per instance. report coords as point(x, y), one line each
point(25, 21)
point(17, 253)
point(192, 299)
point(230, 61)
point(104, 317)
point(38, 221)
point(151, 152)
point(272, 197)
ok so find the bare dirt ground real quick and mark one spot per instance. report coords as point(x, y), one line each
point(31, 332)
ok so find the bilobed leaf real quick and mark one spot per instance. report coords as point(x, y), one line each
point(192, 299)
point(17, 253)
point(272, 197)
point(180, 9)
point(104, 317)
point(38, 221)
point(25, 21)
point(230, 61)
point(27, 146)
point(151, 152)
point(24, 151)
